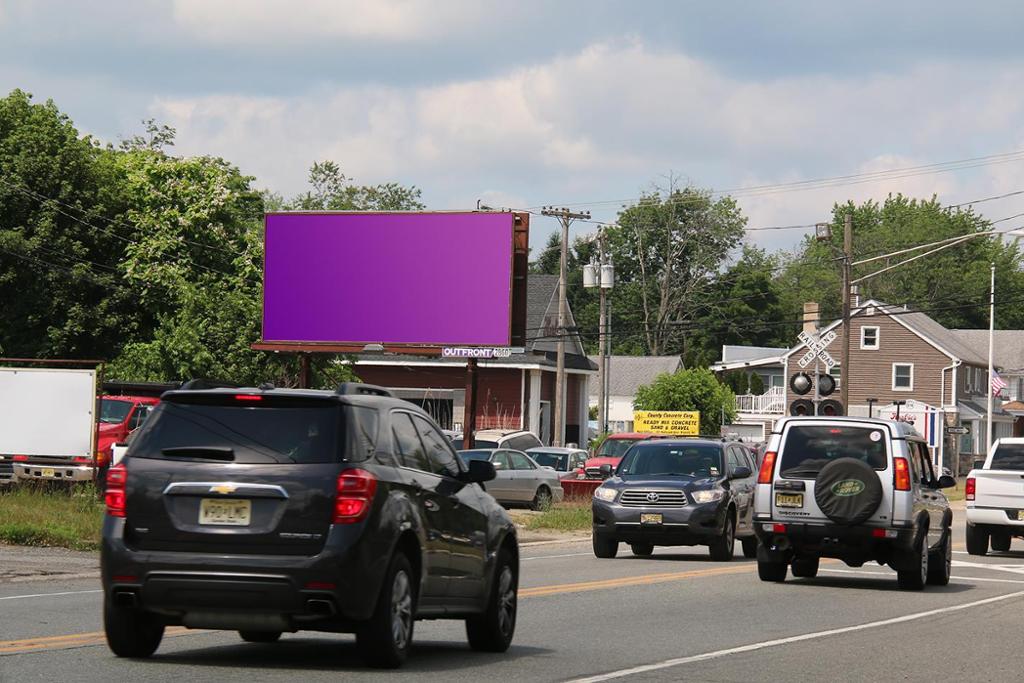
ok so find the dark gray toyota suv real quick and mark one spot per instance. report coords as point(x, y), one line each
point(269, 510)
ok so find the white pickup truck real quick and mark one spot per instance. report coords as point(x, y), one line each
point(995, 498)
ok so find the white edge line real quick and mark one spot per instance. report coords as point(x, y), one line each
point(786, 641)
point(551, 557)
point(46, 595)
point(966, 579)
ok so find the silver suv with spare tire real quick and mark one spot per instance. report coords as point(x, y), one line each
point(856, 489)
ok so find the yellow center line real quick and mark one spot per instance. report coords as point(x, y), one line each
point(71, 640)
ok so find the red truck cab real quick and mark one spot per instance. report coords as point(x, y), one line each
point(610, 452)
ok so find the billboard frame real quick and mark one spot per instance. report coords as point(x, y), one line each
point(519, 268)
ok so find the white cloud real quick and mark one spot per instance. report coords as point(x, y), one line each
point(286, 21)
point(601, 123)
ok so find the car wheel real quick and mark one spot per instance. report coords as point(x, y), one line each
point(492, 631)
point(1001, 541)
point(642, 549)
point(769, 568)
point(914, 578)
point(749, 546)
point(806, 567)
point(131, 632)
point(260, 636)
point(542, 499)
point(940, 564)
point(722, 547)
point(977, 539)
point(605, 548)
point(384, 640)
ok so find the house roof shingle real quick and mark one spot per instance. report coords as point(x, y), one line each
point(1008, 346)
point(629, 373)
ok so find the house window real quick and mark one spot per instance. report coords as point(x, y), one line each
point(869, 338)
point(902, 376)
point(836, 373)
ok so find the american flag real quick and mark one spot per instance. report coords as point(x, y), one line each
point(998, 383)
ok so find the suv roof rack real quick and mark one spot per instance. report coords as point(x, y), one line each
point(360, 388)
point(200, 384)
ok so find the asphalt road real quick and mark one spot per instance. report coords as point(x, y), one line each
point(671, 617)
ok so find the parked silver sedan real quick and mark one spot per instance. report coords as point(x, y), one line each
point(565, 461)
point(519, 479)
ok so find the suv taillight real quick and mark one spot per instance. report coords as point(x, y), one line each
point(969, 488)
point(115, 497)
point(356, 489)
point(767, 468)
point(901, 474)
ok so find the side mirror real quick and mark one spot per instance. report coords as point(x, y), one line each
point(741, 472)
point(496, 465)
point(606, 470)
point(946, 482)
point(479, 471)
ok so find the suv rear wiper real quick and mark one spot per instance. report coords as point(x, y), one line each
point(204, 452)
point(798, 471)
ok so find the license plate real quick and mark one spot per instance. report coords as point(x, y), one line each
point(1020, 515)
point(48, 472)
point(650, 518)
point(232, 512)
point(789, 500)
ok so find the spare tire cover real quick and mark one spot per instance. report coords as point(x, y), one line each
point(848, 491)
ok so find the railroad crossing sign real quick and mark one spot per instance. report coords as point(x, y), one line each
point(816, 349)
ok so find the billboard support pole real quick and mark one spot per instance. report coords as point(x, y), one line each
point(469, 428)
point(304, 373)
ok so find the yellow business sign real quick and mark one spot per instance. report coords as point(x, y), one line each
point(670, 422)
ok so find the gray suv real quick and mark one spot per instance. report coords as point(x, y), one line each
point(857, 489)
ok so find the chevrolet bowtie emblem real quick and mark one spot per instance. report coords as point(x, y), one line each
point(223, 488)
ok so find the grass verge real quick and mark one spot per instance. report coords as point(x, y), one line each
point(60, 518)
point(571, 516)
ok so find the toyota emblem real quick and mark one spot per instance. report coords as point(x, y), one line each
point(652, 497)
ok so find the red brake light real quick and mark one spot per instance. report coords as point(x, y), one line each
point(356, 489)
point(901, 474)
point(21, 458)
point(778, 528)
point(115, 496)
point(247, 397)
point(970, 488)
point(767, 468)
point(81, 460)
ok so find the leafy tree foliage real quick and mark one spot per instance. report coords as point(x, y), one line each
point(694, 389)
point(332, 190)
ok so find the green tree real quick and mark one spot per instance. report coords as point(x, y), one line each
point(668, 250)
point(951, 285)
point(59, 249)
point(756, 384)
point(694, 389)
point(332, 190)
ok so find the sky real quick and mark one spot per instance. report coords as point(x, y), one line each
point(581, 103)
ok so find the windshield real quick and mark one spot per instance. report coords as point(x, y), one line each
point(615, 448)
point(288, 432)
point(475, 455)
point(556, 461)
point(697, 460)
point(1008, 457)
point(113, 411)
point(808, 449)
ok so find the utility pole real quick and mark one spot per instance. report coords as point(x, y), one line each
point(844, 361)
point(602, 276)
point(566, 217)
point(991, 335)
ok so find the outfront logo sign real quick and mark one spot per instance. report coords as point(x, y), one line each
point(474, 352)
point(847, 487)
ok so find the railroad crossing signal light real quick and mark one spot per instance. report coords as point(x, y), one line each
point(830, 407)
point(800, 383)
point(801, 407)
point(826, 384)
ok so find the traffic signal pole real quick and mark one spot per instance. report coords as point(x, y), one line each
point(844, 360)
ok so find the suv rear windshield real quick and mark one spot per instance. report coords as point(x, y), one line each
point(1008, 456)
point(278, 431)
point(807, 449)
point(698, 460)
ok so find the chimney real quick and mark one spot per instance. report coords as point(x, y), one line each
point(811, 320)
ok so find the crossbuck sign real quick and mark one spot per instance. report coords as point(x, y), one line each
point(816, 349)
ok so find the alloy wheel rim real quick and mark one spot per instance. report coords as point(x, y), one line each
point(401, 609)
point(506, 600)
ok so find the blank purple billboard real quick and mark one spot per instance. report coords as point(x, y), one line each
point(435, 279)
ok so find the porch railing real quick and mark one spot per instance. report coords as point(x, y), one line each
point(771, 402)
